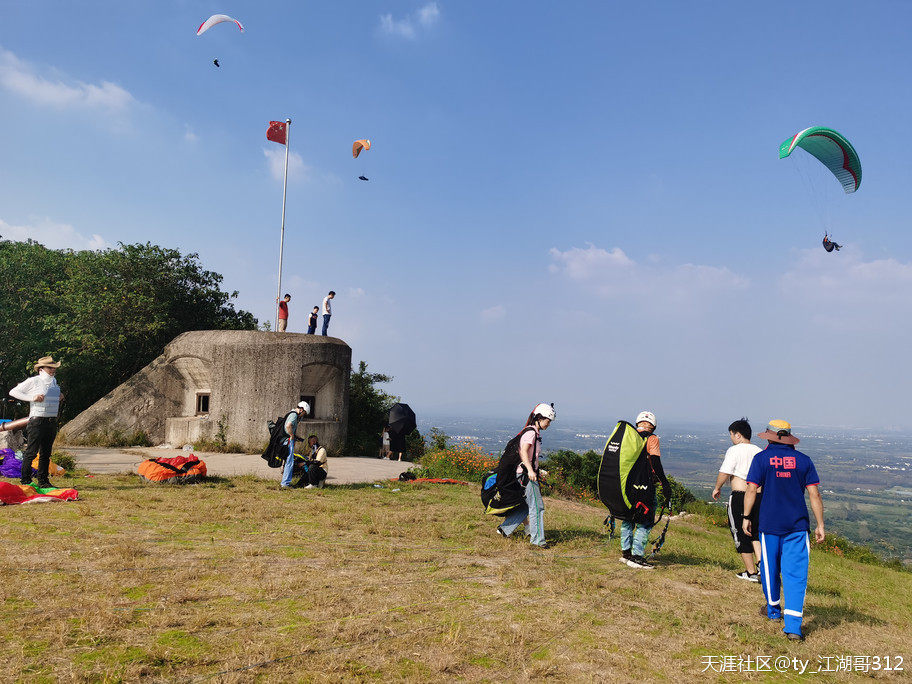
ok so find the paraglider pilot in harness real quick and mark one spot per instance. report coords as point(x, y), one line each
point(635, 535)
point(829, 245)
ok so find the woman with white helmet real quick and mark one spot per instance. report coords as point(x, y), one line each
point(532, 512)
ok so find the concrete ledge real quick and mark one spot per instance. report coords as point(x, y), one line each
point(341, 470)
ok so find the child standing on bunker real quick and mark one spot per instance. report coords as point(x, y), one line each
point(527, 472)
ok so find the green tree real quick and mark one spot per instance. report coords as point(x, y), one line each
point(368, 407)
point(28, 271)
point(106, 313)
point(414, 446)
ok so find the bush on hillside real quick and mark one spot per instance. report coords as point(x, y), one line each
point(414, 446)
point(461, 461)
point(576, 475)
point(113, 438)
point(64, 460)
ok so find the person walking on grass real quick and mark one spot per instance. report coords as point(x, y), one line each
point(734, 469)
point(784, 474)
point(633, 535)
point(44, 397)
point(532, 510)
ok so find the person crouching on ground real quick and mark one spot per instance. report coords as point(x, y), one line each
point(734, 469)
point(43, 394)
point(527, 472)
point(317, 464)
point(784, 473)
point(634, 536)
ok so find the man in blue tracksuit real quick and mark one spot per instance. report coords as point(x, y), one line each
point(784, 473)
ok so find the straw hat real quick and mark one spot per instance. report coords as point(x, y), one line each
point(46, 362)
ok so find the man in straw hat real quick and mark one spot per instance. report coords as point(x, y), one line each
point(784, 473)
point(43, 393)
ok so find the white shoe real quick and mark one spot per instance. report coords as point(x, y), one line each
point(309, 487)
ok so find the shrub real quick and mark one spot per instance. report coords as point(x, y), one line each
point(439, 439)
point(462, 461)
point(220, 446)
point(414, 446)
point(64, 460)
point(112, 438)
point(572, 474)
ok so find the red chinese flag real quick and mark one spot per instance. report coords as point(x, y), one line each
point(276, 132)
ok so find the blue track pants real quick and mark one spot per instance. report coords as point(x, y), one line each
point(784, 568)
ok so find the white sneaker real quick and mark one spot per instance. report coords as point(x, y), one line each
point(309, 487)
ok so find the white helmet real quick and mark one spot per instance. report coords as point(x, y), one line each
point(304, 405)
point(545, 411)
point(649, 417)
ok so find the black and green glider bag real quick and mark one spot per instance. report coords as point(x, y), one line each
point(501, 491)
point(625, 481)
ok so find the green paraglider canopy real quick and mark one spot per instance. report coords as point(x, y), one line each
point(833, 150)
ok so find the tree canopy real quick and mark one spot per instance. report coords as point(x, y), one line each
point(368, 407)
point(105, 313)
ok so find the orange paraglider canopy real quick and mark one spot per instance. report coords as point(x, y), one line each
point(359, 145)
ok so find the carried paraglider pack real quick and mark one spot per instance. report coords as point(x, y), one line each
point(625, 480)
point(276, 450)
point(501, 490)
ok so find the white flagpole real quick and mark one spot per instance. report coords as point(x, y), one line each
point(282, 234)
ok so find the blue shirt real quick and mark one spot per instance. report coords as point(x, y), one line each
point(291, 423)
point(783, 473)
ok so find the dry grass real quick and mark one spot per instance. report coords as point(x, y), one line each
point(237, 581)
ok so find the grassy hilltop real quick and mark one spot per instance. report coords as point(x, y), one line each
point(237, 581)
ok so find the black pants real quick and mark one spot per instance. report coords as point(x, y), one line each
point(40, 434)
point(315, 475)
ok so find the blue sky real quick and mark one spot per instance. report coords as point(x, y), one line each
point(572, 202)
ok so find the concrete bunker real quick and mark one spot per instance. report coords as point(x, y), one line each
point(229, 383)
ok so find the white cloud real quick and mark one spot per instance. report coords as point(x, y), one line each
point(19, 77)
point(52, 235)
point(425, 18)
point(429, 14)
point(297, 169)
point(493, 313)
point(612, 274)
point(190, 135)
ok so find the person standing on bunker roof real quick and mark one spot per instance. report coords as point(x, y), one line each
point(528, 472)
point(634, 536)
point(283, 313)
point(327, 311)
point(734, 469)
point(785, 474)
point(291, 427)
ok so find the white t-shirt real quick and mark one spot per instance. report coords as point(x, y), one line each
point(738, 459)
point(327, 308)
